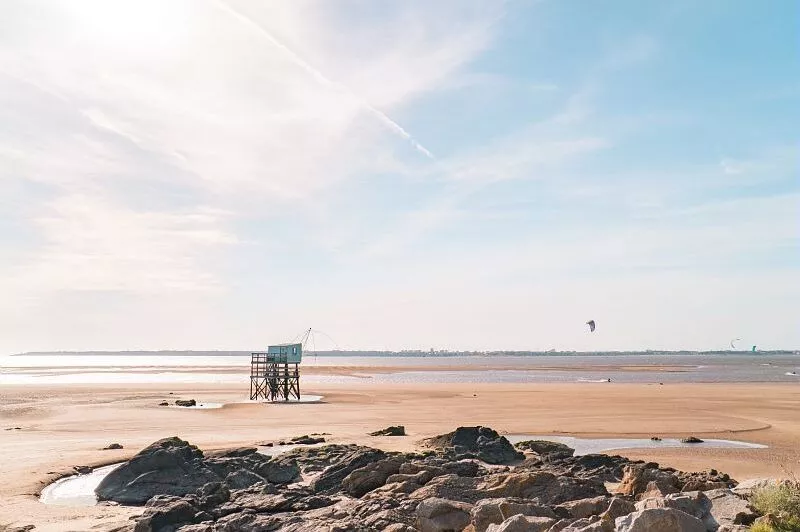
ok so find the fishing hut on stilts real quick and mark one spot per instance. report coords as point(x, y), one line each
point(275, 374)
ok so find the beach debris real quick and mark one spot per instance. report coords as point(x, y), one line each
point(398, 430)
point(479, 442)
point(591, 325)
point(544, 448)
point(655, 438)
point(185, 402)
point(112, 447)
point(82, 469)
point(14, 428)
point(163, 403)
point(691, 439)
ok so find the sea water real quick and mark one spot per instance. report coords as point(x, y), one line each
point(233, 368)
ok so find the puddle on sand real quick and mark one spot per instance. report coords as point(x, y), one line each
point(207, 406)
point(76, 490)
point(599, 445)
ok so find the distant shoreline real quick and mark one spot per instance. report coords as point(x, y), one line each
point(417, 354)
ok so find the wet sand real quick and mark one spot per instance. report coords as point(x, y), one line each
point(67, 425)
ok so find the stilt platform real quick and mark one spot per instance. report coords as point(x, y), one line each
point(274, 376)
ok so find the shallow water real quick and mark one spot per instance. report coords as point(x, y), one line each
point(76, 490)
point(599, 445)
point(581, 367)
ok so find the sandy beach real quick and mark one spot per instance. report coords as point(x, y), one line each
point(65, 426)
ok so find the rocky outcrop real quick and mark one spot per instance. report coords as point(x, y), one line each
point(365, 479)
point(306, 440)
point(349, 487)
point(331, 478)
point(659, 520)
point(544, 448)
point(728, 509)
point(174, 467)
point(185, 402)
point(489, 512)
point(641, 481)
point(479, 442)
point(523, 523)
point(398, 430)
point(705, 480)
point(441, 515)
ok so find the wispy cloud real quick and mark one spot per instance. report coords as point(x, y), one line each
point(321, 78)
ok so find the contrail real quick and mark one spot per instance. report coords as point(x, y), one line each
point(320, 77)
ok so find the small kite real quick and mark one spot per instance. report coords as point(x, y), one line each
point(733, 342)
point(591, 325)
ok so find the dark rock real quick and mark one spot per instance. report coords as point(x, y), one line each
point(166, 517)
point(163, 403)
point(170, 466)
point(212, 494)
point(463, 468)
point(279, 470)
point(185, 402)
point(546, 448)
point(82, 469)
point(691, 439)
point(545, 487)
point(655, 438)
point(367, 478)
point(242, 479)
point(330, 480)
point(705, 481)
point(398, 430)
point(306, 440)
point(112, 446)
point(479, 442)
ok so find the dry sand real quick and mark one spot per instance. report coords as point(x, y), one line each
point(64, 426)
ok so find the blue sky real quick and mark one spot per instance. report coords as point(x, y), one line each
point(465, 175)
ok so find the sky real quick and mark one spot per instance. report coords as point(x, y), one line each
point(459, 174)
